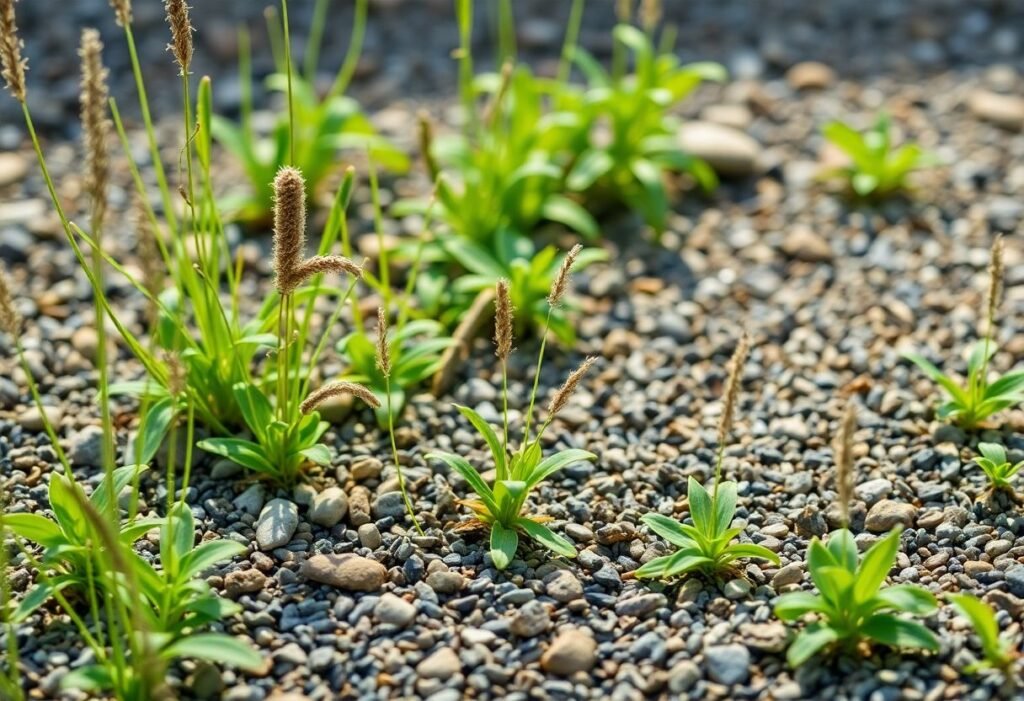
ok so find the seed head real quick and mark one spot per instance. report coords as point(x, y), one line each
point(95, 125)
point(503, 320)
point(289, 228)
point(650, 14)
point(153, 271)
point(732, 387)
point(844, 461)
point(624, 11)
point(177, 375)
point(995, 282)
point(426, 133)
point(123, 12)
point(14, 66)
point(181, 33)
point(561, 282)
point(383, 348)
point(564, 392)
point(325, 264)
point(334, 389)
point(10, 319)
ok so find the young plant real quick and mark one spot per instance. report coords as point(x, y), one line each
point(312, 131)
point(503, 508)
point(970, 404)
point(876, 169)
point(707, 546)
point(1000, 651)
point(998, 469)
point(852, 606)
point(627, 140)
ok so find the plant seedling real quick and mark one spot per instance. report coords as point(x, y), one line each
point(852, 605)
point(999, 470)
point(1000, 651)
point(876, 168)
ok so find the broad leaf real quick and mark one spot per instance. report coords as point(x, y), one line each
point(546, 537)
point(897, 632)
point(810, 642)
point(504, 542)
point(213, 647)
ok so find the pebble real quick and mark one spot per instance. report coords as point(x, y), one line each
point(1006, 111)
point(793, 573)
point(887, 514)
point(442, 664)
point(13, 168)
point(276, 524)
point(571, 652)
point(873, 490)
point(328, 507)
point(729, 151)
point(563, 586)
point(251, 500)
point(639, 606)
point(530, 620)
point(1015, 580)
point(244, 582)
point(345, 571)
point(394, 610)
point(85, 447)
point(369, 536)
point(810, 75)
point(32, 420)
point(803, 243)
point(728, 664)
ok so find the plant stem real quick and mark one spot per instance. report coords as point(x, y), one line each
point(572, 33)
point(394, 456)
point(288, 74)
point(355, 49)
point(536, 379)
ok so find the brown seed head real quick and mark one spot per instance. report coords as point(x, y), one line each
point(123, 12)
point(153, 271)
point(289, 228)
point(564, 392)
point(95, 125)
point(325, 264)
point(181, 33)
point(650, 14)
point(995, 282)
point(177, 375)
point(732, 388)
point(10, 319)
point(844, 461)
point(383, 347)
point(502, 320)
point(561, 282)
point(14, 66)
point(334, 389)
point(426, 133)
point(624, 11)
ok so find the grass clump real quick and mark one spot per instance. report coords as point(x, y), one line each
point(997, 468)
point(999, 652)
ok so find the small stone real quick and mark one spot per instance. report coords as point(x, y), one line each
point(1006, 111)
point(767, 637)
point(389, 504)
point(571, 652)
point(736, 589)
point(369, 536)
point(791, 574)
point(251, 500)
point(563, 586)
point(1015, 580)
point(446, 582)
point(394, 610)
point(244, 582)
point(728, 664)
point(442, 664)
point(359, 506)
point(32, 420)
point(803, 243)
point(873, 490)
point(729, 151)
point(366, 469)
point(85, 341)
point(531, 620)
point(976, 567)
point(735, 116)
point(335, 409)
point(345, 571)
point(276, 524)
point(887, 514)
point(810, 75)
point(13, 168)
point(303, 494)
point(641, 605)
point(329, 507)
point(85, 447)
point(683, 676)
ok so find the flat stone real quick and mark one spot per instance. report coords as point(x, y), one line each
point(571, 652)
point(1006, 111)
point(328, 507)
point(728, 151)
point(345, 571)
point(531, 620)
point(810, 75)
point(394, 610)
point(244, 582)
point(887, 514)
point(276, 524)
point(728, 664)
point(32, 420)
point(563, 586)
point(442, 664)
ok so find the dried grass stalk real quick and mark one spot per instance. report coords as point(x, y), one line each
point(13, 65)
point(289, 228)
point(995, 283)
point(335, 389)
point(177, 375)
point(844, 461)
point(95, 125)
point(122, 11)
point(181, 33)
point(561, 283)
point(10, 319)
point(383, 347)
point(732, 388)
point(650, 14)
point(565, 392)
point(503, 320)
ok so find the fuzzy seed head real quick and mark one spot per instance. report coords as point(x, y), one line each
point(561, 283)
point(10, 320)
point(177, 376)
point(95, 125)
point(123, 12)
point(383, 348)
point(565, 392)
point(289, 228)
point(13, 65)
point(732, 388)
point(624, 11)
point(181, 33)
point(844, 461)
point(503, 320)
point(325, 264)
point(995, 283)
point(650, 14)
point(335, 389)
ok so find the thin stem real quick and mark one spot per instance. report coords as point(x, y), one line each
point(355, 48)
point(504, 411)
point(288, 74)
point(394, 457)
point(536, 379)
point(316, 34)
point(572, 33)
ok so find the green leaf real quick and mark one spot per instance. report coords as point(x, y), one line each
point(35, 528)
point(752, 550)
point(208, 554)
point(955, 392)
point(724, 505)
point(848, 140)
point(546, 537)
point(908, 598)
point(672, 565)
point(568, 212)
point(155, 425)
point(993, 451)
point(122, 477)
point(700, 507)
point(843, 549)
point(40, 594)
point(669, 529)
point(255, 408)
point(489, 436)
point(875, 566)
point(66, 509)
point(319, 454)
point(593, 165)
point(795, 605)
point(469, 473)
point(897, 632)
point(553, 463)
point(177, 538)
point(245, 453)
point(864, 183)
point(1009, 385)
point(217, 648)
point(92, 678)
point(983, 619)
point(504, 542)
point(810, 642)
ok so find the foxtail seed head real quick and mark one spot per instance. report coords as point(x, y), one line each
point(565, 392)
point(13, 65)
point(650, 14)
point(95, 125)
point(181, 33)
point(561, 283)
point(383, 349)
point(844, 461)
point(10, 319)
point(502, 320)
point(732, 388)
point(289, 228)
point(325, 264)
point(995, 283)
point(335, 389)
point(122, 11)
